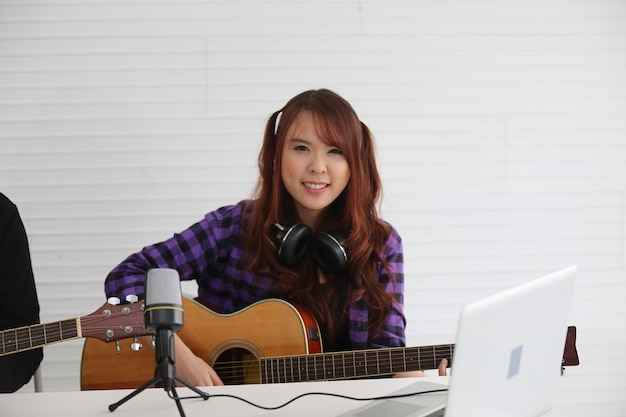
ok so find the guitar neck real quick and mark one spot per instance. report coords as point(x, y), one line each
point(38, 335)
point(352, 364)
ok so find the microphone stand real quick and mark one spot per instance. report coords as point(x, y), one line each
point(165, 372)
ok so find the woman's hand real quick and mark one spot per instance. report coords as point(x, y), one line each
point(191, 368)
point(442, 369)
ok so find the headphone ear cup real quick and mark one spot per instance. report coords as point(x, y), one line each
point(292, 242)
point(329, 252)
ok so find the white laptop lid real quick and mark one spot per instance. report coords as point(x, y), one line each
point(507, 357)
point(509, 349)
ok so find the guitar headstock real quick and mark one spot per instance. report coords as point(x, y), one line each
point(114, 322)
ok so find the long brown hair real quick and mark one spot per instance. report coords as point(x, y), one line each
point(353, 213)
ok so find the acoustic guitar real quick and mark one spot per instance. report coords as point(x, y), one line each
point(270, 341)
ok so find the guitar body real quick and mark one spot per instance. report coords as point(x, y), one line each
point(230, 343)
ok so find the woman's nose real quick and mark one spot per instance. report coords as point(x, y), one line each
point(318, 164)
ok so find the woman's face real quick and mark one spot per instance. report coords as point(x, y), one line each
point(314, 173)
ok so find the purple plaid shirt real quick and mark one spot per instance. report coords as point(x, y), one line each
point(210, 252)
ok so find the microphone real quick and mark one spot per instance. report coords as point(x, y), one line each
point(164, 302)
point(163, 315)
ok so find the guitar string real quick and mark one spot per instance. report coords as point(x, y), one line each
point(294, 367)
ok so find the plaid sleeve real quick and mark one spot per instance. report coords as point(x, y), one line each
point(189, 252)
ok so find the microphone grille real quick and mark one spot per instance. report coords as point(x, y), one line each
point(163, 287)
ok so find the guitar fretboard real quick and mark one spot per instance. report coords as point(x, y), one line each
point(352, 364)
point(31, 337)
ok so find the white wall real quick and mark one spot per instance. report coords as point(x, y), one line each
point(500, 126)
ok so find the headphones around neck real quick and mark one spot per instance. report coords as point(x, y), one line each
point(292, 242)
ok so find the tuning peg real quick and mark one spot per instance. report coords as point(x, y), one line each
point(113, 301)
point(132, 298)
point(117, 347)
point(136, 345)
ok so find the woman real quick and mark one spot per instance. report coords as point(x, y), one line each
point(318, 185)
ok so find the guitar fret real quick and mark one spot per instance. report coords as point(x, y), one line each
point(410, 360)
point(283, 367)
point(275, 370)
point(35, 336)
point(307, 368)
point(349, 366)
point(53, 330)
point(9, 343)
point(318, 370)
point(384, 367)
point(359, 359)
point(299, 368)
point(434, 354)
point(398, 358)
point(289, 372)
point(69, 329)
point(263, 367)
point(23, 340)
point(329, 366)
point(267, 371)
point(310, 368)
point(419, 359)
point(343, 363)
point(299, 365)
point(377, 363)
point(404, 359)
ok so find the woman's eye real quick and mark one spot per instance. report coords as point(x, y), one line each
point(335, 151)
point(301, 148)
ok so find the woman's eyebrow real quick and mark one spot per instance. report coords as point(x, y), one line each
point(300, 140)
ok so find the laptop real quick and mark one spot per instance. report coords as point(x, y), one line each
point(507, 357)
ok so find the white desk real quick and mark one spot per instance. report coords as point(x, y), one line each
point(154, 402)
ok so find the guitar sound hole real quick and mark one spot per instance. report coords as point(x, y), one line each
point(238, 366)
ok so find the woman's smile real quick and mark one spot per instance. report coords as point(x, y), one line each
point(315, 186)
